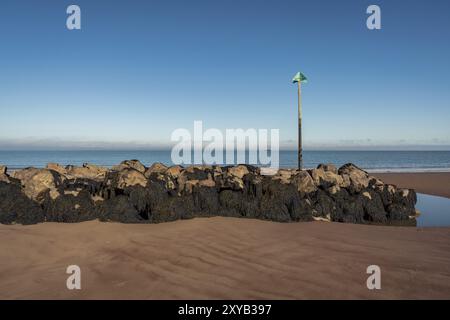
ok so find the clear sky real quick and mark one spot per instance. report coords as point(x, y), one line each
point(137, 70)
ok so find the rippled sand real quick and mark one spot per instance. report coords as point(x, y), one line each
point(223, 258)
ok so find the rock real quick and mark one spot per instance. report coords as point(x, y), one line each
point(174, 171)
point(328, 167)
point(197, 172)
point(195, 176)
point(239, 171)
point(386, 193)
point(281, 202)
point(3, 175)
point(325, 179)
point(375, 182)
point(56, 167)
point(37, 182)
point(87, 171)
point(235, 204)
point(351, 211)
point(253, 186)
point(70, 207)
point(232, 182)
point(120, 209)
point(156, 167)
point(16, 207)
point(402, 206)
point(232, 177)
point(373, 207)
point(345, 181)
point(268, 171)
point(130, 164)
point(4, 178)
point(358, 179)
point(130, 177)
point(130, 193)
point(304, 183)
point(191, 184)
point(285, 175)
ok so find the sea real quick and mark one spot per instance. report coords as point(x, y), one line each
point(372, 161)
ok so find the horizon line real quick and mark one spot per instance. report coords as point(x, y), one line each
point(444, 148)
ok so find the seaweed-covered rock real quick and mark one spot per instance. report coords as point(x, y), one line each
point(75, 206)
point(16, 207)
point(131, 193)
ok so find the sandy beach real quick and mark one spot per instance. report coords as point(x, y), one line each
point(228, 258)
point(224, 150)
point(434, 183)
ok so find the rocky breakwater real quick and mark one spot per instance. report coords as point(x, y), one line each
point(133, 193)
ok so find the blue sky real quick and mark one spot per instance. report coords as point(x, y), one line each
point(137, 70)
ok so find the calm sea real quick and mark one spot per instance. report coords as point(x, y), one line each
point(370, 160)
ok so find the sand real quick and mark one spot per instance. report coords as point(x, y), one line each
point(435, 183)
point(223, 258)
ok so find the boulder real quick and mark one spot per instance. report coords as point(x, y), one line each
point(373, 207)
point(232, 177)
point(197, 172)
point(326, 207)
point(120, 209)
point(16, 207)
point(325, 179)
point(174, 171)
point(354, 178)
point(386, 193)
point(304, 183)
point(131, 193)
point(4, 178)
point(403, 205)
point(328, 167)
point(195, 176)
point(157, 168)
point(70, 207)
point(130, 164)
point(284, 175)
point(239, 171)
point(57, 167)
point(36, 182)
point(191, 184)
point(130, 177)
point(3, 175)
point(282, 202)
point(87, 171)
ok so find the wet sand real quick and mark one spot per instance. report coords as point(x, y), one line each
point(434, 183)
point(227, 258)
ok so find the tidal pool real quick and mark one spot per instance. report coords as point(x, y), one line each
point(434, 211)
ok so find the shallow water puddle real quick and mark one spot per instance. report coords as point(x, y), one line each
point(434, 211)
